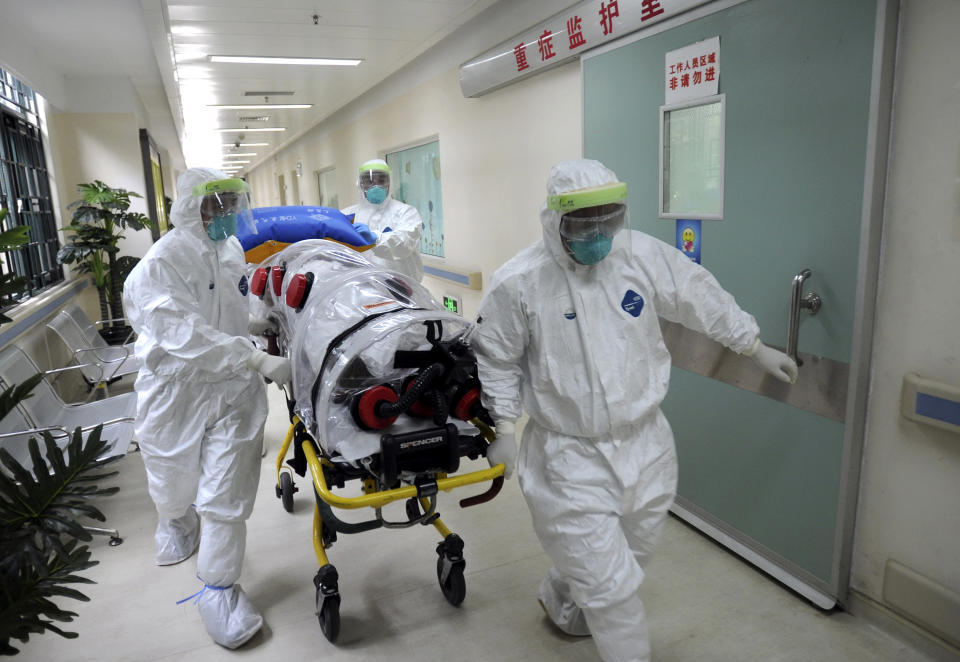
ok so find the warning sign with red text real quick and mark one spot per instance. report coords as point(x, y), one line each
point(692, 72)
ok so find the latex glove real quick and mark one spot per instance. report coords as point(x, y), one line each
point(503, 450)
point(364, 231)
point(258, 326)
point(773, 361)
point(275, 368)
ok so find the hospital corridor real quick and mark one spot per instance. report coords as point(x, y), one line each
point(520, 330)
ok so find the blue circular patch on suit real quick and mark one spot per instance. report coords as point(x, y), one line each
point(632, 303)
point(244, 287)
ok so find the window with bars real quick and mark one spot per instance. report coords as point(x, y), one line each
point(25, 189)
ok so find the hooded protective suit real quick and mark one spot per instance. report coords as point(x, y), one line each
point(580, 349)
point(397, 226)
point(201, 408)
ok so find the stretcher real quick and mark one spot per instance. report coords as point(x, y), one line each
point(422, 459)
point(384, 397)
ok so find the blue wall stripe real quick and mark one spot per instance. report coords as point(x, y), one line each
point(943, 410)
point(56, 303)
point(447, 275)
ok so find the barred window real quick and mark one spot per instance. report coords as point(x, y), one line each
point(25, 189)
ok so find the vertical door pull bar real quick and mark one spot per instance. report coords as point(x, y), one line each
point(810, 301)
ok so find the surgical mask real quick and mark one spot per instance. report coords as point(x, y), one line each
point(376, 194)
point(221, 227)
point(590, 252)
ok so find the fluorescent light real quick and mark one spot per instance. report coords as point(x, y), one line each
point(235, 154)
point(246, 144)
point(258, 106)
point(230, 163)
point(266, 59)
point(186, 30)
point(242, 129)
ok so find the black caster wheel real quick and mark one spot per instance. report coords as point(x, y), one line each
point(115, 541)
point(286, 491)
point(328, 613)
point(328, 602)
point(454, 587)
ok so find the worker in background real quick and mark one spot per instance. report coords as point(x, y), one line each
point(569, 332)
point(392, 226)
point(200, 395)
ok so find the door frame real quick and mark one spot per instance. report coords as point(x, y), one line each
point(824, 595)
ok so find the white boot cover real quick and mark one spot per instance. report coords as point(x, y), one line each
point(229, 616)
point(177, 539)
point(555, 598)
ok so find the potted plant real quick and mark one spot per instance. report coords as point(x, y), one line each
point(39, 511)
point(40, 555)
point(10, 283)
point(99, 217)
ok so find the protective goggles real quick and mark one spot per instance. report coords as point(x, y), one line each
point(590, 223)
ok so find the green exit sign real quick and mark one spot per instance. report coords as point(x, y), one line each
point(452, 304)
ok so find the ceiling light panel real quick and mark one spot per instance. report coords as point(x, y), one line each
point(246, 144)
point(261, 106)
point(243, 129)
point(265, 59)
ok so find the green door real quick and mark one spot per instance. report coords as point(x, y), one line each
point(766, 468)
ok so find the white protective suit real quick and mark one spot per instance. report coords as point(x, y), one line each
point(397, 248)
point(201, 409)
point(580, 349)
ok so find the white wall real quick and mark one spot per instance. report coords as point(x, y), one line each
point(104, 146)
point(495, 154)
point(909, 507)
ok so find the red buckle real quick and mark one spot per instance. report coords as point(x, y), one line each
point(276, 277)
point(258, 282)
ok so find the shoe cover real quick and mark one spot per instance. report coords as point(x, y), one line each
point(229, 616)
point(555, 599)
point(177, 539)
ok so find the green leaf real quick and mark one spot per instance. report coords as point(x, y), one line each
point(15, 237)
point(17, 393)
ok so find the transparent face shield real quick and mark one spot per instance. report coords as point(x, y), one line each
point(591, 223)
point(589, 220)
point(374, 182)
point(225, 208)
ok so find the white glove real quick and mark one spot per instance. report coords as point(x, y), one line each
point(773, 361)
point(257, 326)
point(503, 450)
point(275, 368)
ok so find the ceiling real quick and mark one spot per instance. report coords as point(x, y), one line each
point(162, 48)
point(384, 34)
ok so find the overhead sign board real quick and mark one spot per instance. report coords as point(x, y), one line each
point(562, 37)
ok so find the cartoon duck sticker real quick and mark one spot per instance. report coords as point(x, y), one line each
point(687, 238)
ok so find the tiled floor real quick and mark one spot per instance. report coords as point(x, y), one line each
point(703, 603)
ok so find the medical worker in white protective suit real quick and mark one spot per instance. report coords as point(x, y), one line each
point(200, 395)
point(569, 332)
point(394, 227)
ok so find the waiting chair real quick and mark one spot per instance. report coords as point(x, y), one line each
point(45, 411)
point(80, 336)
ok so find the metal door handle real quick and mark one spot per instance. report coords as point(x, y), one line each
point(810, 301)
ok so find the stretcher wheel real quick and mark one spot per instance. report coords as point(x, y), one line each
point(328, 613)
point(286, 491)
point(455, 587)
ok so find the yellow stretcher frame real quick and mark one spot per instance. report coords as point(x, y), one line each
point(375, 499)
